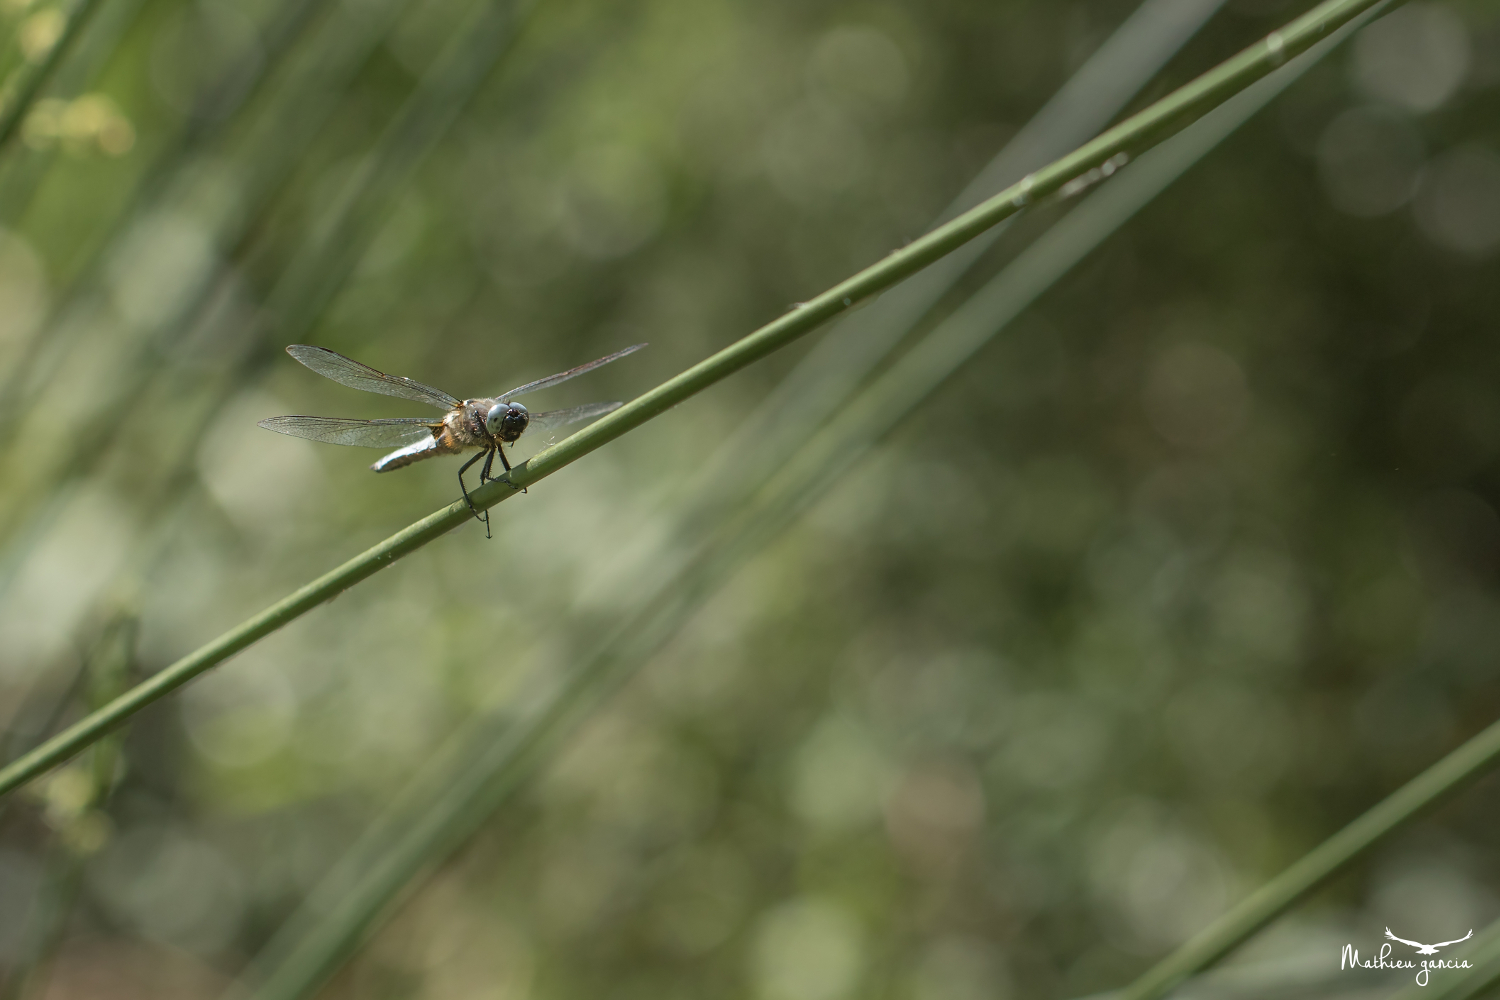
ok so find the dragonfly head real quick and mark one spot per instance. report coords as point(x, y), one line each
point(506, 421)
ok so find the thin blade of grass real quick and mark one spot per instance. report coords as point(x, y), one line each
point(454, 796)
point(855, 345)
point(1139, 131)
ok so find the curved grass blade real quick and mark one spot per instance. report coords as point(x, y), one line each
point(1139, 131)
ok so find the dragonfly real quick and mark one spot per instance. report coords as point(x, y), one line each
point(484, 425)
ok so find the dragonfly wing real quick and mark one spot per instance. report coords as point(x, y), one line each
point(360, 433)
point(551, 380)
point(541, 427)
point(347, 371)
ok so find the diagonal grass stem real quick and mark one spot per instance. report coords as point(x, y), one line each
point(1461, 767)
point(855, 346)
point(1129, 137)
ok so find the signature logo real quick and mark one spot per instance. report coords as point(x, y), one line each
point(1428, 949)
point(1384, 959)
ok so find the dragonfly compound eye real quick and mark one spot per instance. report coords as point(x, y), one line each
point(507, 420)
point(494, 419)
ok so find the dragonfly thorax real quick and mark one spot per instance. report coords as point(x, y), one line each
point(506, 421)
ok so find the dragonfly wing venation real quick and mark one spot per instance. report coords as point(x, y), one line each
point(347, 371)
point(551, 380)
point(392, 433)
point(541, 425)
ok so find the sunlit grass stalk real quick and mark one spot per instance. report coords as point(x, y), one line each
point(1130, 136)
point(23, 90)
point(448, 803)
point(312, 77)
point(25, 167)
point(26, 380)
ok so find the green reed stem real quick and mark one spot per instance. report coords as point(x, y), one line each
point(1135, 133)
point(861, 342)
point(1462, 766)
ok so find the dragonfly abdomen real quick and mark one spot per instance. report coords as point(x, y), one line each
point(426, 448)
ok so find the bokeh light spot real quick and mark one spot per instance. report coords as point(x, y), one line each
point(807, 949)
point(1368, 160)
point(1196, 396)
point(1458, 202)
point(1415, 57)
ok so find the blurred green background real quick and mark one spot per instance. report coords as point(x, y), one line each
point(1193, 564)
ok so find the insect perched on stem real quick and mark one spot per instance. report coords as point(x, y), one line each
point(484, 425)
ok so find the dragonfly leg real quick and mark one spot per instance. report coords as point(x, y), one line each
point(485, 517)
point(501, 450)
